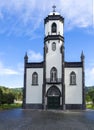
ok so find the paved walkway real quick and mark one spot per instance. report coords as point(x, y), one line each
point(19, 119)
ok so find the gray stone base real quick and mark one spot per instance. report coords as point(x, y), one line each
point(60, 108)
point(75, 107)
point(33, 106)
point(65, 107)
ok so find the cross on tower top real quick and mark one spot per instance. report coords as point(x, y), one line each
point(54, 7)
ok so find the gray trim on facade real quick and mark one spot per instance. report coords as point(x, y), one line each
point(57, 81)
point(44, 80)
point(54, 37)
point(34, 65)
point(24, 91)
point(33, 106)
point(73, 64)
point(24, 88)
point(74, 106)
point(63, 77)
point(83, 80)
point(54, 17)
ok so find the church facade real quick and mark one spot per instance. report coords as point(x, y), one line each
point(54, 83)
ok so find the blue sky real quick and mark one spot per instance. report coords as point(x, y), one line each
point(22, 29)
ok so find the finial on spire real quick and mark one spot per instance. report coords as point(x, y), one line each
point(54, 7)
point(26, 57)
point(82, 56)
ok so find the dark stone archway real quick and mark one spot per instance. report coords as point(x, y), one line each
point(53, 98)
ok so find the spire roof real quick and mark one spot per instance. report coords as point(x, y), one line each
point(26, 56)
point(82, 55)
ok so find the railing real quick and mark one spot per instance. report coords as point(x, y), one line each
point(55, 81)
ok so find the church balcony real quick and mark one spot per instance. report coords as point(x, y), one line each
point(56, 81)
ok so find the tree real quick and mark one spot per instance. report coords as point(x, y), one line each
point(1, 95)
point(10, 98)
point(8, 95)
point(88, 99)
point(91, 94)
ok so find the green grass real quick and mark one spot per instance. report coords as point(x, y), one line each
point(10, 106)
point(90, 106)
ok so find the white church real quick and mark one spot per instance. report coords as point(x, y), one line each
point(54, 83)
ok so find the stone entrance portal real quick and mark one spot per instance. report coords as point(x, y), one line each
point(53, 98)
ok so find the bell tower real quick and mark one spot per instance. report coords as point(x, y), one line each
point(53, 55)
point(54, 24)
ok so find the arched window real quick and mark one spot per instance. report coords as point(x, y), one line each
point(46, 49)
point(34, 78)
point(54, 28)
point(72, 78)
point(53, 46)
point(53, 74)
point(53, 91)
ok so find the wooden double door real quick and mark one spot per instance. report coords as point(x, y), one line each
point(53, 102)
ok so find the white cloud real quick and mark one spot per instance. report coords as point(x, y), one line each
point(25, 16)
point(77, 13)
point(34, 56)
point(89, 76)
point(20, 68)
point(12, 78)
point(7, 71)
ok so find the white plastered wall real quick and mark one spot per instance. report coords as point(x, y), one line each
point(34, 93)
point(73, 93)
point(54, 59)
